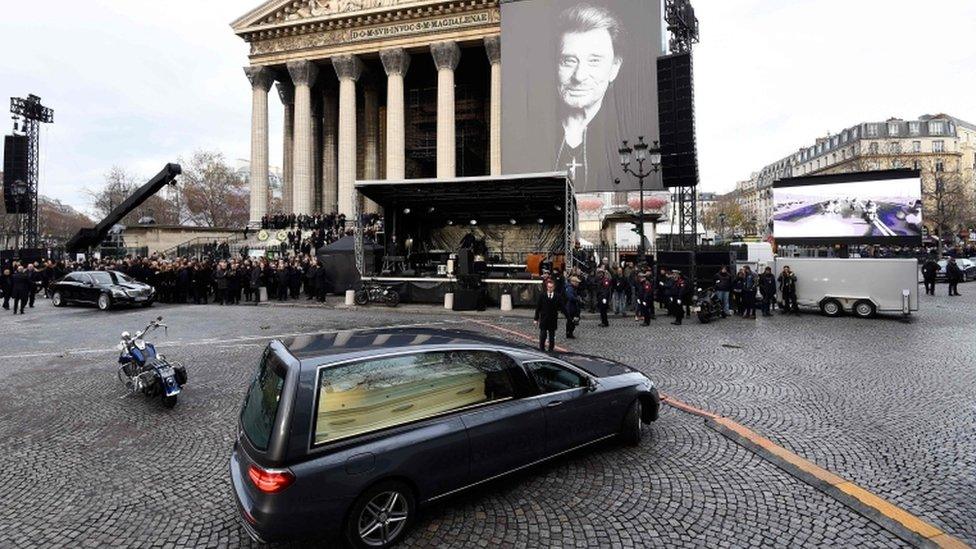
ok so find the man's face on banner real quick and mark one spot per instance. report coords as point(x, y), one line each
point(587, 66)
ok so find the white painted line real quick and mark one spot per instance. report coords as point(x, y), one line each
point(65, 353)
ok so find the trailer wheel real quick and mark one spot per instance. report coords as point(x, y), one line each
point(864, 309)
point(831, 307)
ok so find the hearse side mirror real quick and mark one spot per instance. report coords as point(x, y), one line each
point(589, 384)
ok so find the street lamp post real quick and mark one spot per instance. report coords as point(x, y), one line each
point(642, 152)
point(721, 225)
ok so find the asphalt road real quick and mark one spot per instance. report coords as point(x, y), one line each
point(886, 404)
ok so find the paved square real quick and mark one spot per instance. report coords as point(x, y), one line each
point(885, 404)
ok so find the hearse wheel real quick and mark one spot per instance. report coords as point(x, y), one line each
point(104, 302)
point(56, 299)
point(380, 515)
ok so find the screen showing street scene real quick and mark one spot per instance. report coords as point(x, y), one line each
point(883, 208)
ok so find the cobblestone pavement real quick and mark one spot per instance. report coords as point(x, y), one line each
point(886, 404)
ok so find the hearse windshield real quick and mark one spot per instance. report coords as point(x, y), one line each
point(261, 403)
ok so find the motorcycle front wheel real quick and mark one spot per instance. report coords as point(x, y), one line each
point(362, 297)
point(703, 317)
point(169, 401)
point(392, 299)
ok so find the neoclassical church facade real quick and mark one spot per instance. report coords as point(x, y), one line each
point(371, 89)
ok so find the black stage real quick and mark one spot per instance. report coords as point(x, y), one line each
point(494, 233)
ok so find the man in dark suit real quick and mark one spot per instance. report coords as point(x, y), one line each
point(20, 287)
point(547, 315)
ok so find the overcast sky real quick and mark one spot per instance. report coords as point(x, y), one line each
point(138, 83)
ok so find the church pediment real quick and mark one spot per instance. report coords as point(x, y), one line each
point(278, 12)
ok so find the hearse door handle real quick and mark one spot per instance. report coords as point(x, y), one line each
point(554, 403)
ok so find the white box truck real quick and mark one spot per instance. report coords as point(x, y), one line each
point(862, 287)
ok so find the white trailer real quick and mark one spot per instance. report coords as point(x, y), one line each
point(862, 287)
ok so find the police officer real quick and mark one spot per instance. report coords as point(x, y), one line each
point(604, 291)
point(645, 297)
point(675, 292)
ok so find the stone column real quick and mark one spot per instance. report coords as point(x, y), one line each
point(317, 155)
point(396, 62)
point(261, 79)
point(348, 68)
point(303, 75)
point(287, 94)
point(371, 145)
point(446, 57)
point(493, 47)
point(330, 126)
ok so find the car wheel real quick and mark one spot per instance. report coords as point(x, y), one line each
point(104, 302)
point(633, 429)
point(831, 307)
point(380, 515)
point(864, 309)
point(57, 300)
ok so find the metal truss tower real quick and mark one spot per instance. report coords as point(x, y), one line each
point(32, 114)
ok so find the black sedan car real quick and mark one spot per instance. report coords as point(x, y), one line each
point(106, 289)
point(350, 433)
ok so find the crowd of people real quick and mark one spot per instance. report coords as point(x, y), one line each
point(304, 234)
point(636, 290)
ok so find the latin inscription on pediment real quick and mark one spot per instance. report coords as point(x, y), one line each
point(303, 9)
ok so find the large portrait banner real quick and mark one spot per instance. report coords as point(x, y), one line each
point(578, 78)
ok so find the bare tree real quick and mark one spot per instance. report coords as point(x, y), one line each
point(119, 185)
point(213, 194)
point(725, 216)
point(946, 200)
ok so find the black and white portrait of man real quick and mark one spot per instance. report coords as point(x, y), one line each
point(589, 60)
point(578, 77)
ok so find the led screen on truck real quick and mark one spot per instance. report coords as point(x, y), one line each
point(882, 207)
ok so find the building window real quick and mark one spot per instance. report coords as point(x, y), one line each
point(872, 130)
point(938, 146)
point(913, 128)
point(916, 146)
point(936, 127)
point(893, 128)
point(916, 165)
point(873, 148)
point(894, 147)
point(939, 166)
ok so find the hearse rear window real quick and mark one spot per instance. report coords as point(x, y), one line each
point(261, 403)
point(385, 392)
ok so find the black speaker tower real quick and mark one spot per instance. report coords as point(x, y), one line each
point(676, 113)
point(22, 149)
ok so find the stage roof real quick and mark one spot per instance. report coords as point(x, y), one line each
point(507, 193)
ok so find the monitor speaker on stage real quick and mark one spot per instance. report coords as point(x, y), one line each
point(676, 115)
point(14, 173)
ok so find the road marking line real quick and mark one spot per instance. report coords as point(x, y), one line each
point(887, 515)
point(64, 353)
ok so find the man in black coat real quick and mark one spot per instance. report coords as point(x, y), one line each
point(953, 276)
point(20, 287)
point(547, 315)
point(929, 270)
point(5, 288)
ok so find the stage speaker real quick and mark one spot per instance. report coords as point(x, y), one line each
point(465, 263)
point(15, 174)
point(468, 300)
point(676, 117)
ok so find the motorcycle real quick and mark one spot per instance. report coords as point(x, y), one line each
point(377, 293)
point(142, 370)
point(708, 306)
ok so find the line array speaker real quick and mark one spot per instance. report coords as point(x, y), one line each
point(14, 173)
point(676, 116)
